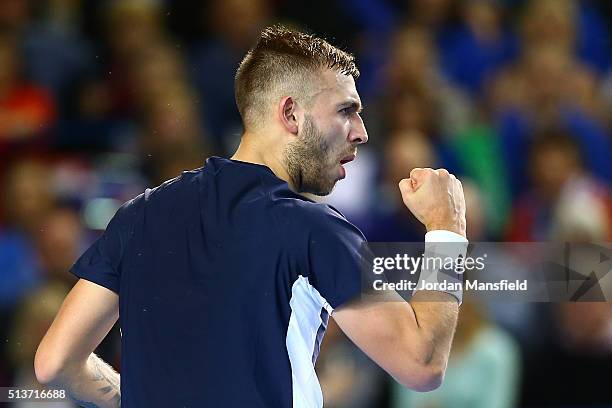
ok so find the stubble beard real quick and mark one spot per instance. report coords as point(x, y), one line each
point(307, 161)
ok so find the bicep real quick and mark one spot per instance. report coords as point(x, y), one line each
point(85, 318)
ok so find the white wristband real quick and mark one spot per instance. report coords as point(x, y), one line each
point(444, 236)
point(442, 244)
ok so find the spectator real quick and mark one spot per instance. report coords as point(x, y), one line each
point(388, 220)
point(173, 140)
point(579, 333)
point(480, 46)
point(233, 23)
point(59, 242)
point(129, 27)
point(548, 89)
point(25, 110)
point(479, 155)
point(555, 161)
point(413, 67)
point(28, 195)
point(54, 52)
point(574, 25)
point(88, 124)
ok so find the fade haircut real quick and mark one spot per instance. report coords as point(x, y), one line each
point(284, 62)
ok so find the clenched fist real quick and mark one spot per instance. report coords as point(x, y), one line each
point(435, 197)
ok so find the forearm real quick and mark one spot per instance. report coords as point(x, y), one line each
point(436, 318)
point(93, 384)
point(436, 312)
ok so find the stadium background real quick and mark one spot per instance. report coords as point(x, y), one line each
point(100, 99)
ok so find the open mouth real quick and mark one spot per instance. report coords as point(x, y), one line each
point(347, 159)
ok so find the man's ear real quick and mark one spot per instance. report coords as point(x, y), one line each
point(287, 114)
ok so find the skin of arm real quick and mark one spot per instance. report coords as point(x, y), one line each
point(412, 340)
point(65, 358)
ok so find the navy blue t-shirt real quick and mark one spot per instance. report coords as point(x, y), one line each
point(226, 280)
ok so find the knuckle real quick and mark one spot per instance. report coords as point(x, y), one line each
point(405, 185)
point(427, 171)
point(421, 173)
point(443, 172)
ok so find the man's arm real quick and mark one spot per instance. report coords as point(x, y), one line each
point(65, 358)
point(412, 341)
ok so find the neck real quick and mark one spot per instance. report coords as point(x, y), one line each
point(259, 149)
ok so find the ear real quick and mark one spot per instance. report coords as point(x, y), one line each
point(287, 114)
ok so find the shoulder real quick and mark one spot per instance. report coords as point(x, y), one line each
point(308, 211)
point(311, 218)
point(125, 217)
point(166, 192)
point(185, 181)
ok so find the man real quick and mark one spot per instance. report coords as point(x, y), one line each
point(225, 277)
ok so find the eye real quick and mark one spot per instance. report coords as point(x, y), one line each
point(346, 111)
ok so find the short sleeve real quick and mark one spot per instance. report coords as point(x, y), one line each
point(100, 262)
point(335, 257)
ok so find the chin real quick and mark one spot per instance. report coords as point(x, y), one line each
point(327, 190)
point(322, 193)
point(320, 189)
point(319, 183)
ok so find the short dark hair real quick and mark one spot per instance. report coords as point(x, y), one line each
point(284, 59)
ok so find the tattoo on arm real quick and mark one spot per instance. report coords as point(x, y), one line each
point(109, 387)
point(84, 404)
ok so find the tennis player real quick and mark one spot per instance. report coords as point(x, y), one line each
point(224, 278)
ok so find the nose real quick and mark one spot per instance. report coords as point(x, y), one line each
point(358, 133)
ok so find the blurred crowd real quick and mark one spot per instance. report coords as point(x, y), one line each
point(101, 99)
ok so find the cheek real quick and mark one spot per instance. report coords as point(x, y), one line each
point(335, 144)
point(346, 125)
point(337, 124)
point(338, 134)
